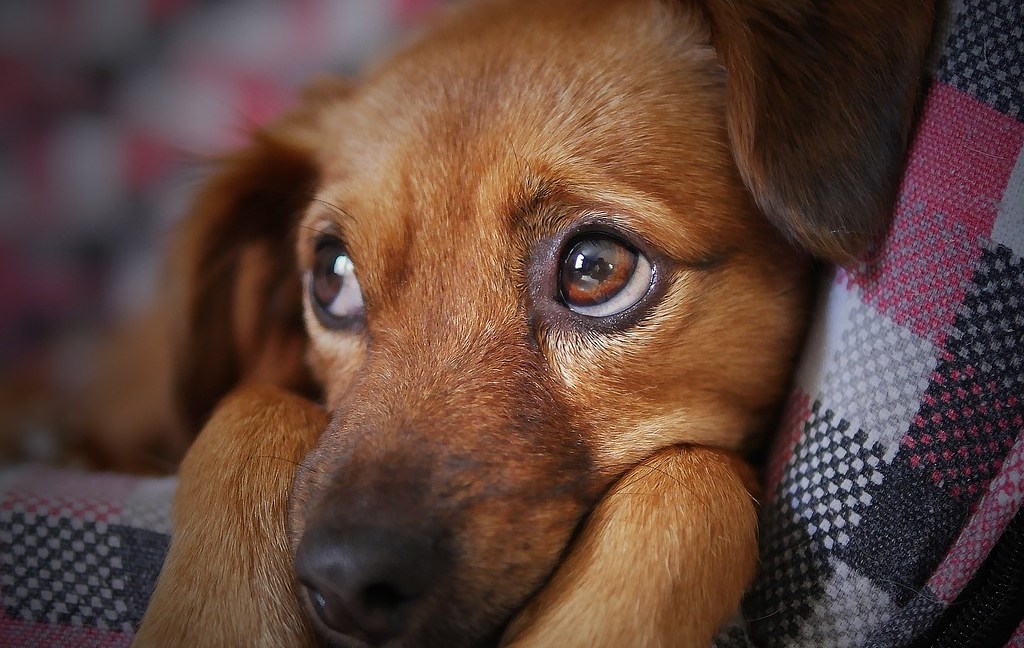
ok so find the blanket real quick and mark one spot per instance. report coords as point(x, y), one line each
point(899, 464)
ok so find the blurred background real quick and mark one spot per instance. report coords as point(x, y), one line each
point(108, 109)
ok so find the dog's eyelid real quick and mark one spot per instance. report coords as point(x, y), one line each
point(312, 234)
point(322, 225)
point(617, 225)
point(545, 205)
point(551, 206)
point(328, 211)
point(328, 240)
point(325, 218)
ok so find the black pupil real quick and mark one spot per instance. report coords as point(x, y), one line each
point(589, 266)
point(595, 270)
point(326, 282)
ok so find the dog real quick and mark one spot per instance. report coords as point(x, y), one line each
point(490, 334)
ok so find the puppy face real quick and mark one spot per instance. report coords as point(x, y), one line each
point(533, 249)
point(523, 274)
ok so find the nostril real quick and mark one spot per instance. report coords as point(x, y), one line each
point(383, 596)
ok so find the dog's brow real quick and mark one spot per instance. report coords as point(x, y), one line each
point(535, 195)
point(540, 193)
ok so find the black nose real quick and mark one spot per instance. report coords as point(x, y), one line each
point(365, 582)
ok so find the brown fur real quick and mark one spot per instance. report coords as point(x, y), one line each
point(227, 579)
point(585, 476)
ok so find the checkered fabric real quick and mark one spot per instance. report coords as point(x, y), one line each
point(899, 462)
point(79, 555)
point(900, 459)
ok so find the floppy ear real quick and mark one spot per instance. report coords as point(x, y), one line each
point(820, 100)
point(238, 310)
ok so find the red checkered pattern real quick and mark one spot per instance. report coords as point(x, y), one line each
point(997, 506)
point(896, 484)
point(46, 492)
point(968, 150)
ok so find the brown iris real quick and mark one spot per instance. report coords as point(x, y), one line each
point(327, 281)
point(595, 270)
point(333, 288)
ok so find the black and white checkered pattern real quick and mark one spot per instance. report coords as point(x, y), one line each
point(984, 54)
point(63, 570)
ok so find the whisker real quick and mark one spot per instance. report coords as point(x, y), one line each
point(300, 465)
point(764, 617)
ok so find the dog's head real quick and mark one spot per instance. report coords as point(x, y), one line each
point(543, 242)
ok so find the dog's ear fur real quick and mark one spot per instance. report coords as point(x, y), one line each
point(821, 96)
point(238, 316)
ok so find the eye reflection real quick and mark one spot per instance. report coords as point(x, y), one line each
point(603, 276)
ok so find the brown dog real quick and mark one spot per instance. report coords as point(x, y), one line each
point(551, 264)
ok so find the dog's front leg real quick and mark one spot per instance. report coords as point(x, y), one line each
point(227, 579)
point(663, 560)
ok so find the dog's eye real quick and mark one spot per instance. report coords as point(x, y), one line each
point(333, 288)
point(603, 276)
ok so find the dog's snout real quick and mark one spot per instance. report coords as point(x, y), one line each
point(366, 582)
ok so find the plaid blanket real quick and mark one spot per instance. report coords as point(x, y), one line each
point(895, 487)
point(899, 464)
point(79, 555)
